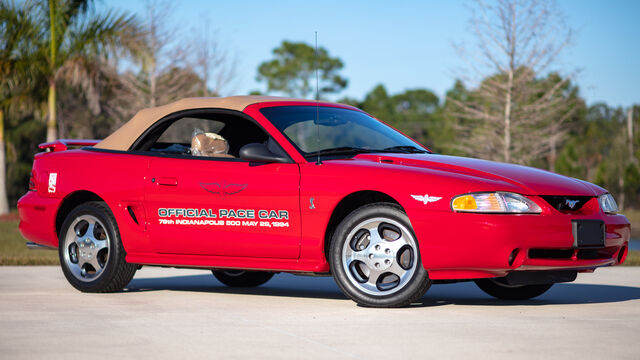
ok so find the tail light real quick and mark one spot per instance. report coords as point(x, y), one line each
point(32, 181)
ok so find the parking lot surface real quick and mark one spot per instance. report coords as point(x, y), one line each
point(178, 313)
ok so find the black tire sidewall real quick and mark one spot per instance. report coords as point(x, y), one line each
point(502, 292)
point(246, 279)
point(416, 286)
point(116, 252)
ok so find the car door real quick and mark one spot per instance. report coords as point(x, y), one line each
point(221, 206)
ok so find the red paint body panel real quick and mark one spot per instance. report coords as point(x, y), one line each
point(452, 245)
point(37, 218)
point(267, 187)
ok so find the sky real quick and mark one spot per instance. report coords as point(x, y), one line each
point(408, 44)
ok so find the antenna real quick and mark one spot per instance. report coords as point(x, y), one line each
point(315, 64)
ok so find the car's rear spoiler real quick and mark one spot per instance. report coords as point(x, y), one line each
point(63, 144)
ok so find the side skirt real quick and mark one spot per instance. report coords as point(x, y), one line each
point(222, 262)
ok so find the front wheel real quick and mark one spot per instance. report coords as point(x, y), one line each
point(90, 249)
point(499, 288)
point(242, 278)
point(375, 259)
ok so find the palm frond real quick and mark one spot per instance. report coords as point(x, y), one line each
point(102, 35)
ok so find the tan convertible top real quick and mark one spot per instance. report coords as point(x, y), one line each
point(123, 138)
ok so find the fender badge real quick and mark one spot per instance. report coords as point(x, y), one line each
point(53, 178)
point(311, 205)
point(426, 198)
point(223, 189)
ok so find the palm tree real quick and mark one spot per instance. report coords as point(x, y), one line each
point(50, 42)
point(74, 36)
point(17, 31)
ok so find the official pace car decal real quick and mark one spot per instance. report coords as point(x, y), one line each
point(224, 217)
point(426, 198)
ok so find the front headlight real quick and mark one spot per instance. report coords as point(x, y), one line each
point(495, 202)
point(608, 204)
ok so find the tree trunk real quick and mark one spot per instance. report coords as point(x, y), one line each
point(152, 83)
point(552, 153)
point(632, 157)
point(621, 198)
point(4, 202)
point(507, 119)
point(52, 123)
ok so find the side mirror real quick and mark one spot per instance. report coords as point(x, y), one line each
point(259, 152)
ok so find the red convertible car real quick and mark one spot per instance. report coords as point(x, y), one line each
point(250, 186)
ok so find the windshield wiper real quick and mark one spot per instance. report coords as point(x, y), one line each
point(408, 149)
point(350, 150)
point(345, 150)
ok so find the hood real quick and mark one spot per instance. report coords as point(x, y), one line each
point(532, 181)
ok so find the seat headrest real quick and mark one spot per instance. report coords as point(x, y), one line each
point(209, 144)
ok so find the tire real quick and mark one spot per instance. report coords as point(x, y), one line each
point(93, 261)
point(375, 259)
point(242, 278)
point(498, 288)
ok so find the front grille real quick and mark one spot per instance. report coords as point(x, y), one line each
point(566, 203)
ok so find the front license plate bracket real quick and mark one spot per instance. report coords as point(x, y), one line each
point(588, 233)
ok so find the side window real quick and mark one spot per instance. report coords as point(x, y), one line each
point(206, 135)
point(181, 131)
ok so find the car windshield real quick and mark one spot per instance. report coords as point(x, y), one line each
point(335, 131)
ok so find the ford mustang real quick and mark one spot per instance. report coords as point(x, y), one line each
point(251, 186)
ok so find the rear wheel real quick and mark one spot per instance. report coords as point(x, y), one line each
point(499, 288)
point(375, 258)
point(90, 249)
point(242, 278)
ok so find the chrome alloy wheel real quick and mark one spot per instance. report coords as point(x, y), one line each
point(86, 248)
point(379, 256)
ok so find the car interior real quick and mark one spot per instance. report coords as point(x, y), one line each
point(204, 135)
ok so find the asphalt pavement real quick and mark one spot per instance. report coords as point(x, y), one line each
point(188, 314)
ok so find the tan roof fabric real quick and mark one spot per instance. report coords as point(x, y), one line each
point(124, 137)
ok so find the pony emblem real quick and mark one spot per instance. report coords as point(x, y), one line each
point(571, 203)
point(425, 199)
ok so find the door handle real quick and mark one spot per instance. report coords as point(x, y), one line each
point(167, 181)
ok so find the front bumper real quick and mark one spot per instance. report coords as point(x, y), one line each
point(468, 246)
